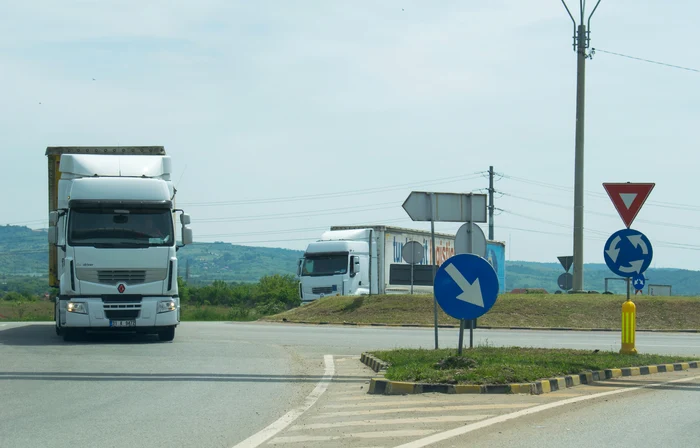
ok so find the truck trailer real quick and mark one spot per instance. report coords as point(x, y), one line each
point(362, 260)
point(112, 240)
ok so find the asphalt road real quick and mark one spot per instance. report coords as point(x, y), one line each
point(215, 385)
point(662, 416)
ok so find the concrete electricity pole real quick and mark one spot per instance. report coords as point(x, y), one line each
point(491, 207)
point(581, 42)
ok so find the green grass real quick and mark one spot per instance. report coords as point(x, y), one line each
point(26, 311)
point(216, 313)
point(496, 365)
point(510, 310)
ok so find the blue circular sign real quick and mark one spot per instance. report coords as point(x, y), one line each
point(466, 286)
point(638, 282)
point(628, 252)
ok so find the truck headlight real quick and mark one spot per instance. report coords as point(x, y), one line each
point(77, 307)
point(166, 305)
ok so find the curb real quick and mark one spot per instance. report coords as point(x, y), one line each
point(484, 327)
point(381, 386)
point(373, 362)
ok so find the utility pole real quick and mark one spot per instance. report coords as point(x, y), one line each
point(491, 206)
point(581, 43)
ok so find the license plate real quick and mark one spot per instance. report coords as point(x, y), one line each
point(122, 323)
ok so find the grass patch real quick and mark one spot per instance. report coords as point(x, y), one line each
point(510, 310)
point(502, 365)
point(217, 313)
point(26, 311)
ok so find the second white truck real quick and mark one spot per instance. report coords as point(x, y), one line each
point(357, 260)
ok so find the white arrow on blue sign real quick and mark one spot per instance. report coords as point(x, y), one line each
point(628, 252)
point(466, 286)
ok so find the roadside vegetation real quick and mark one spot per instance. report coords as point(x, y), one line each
point(511, 310)
point(502, 365)
point(219, 301)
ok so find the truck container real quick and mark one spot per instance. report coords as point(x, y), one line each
point(112, 240)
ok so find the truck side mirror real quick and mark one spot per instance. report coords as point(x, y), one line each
point(354, 265)
point(299, 262)
point(185, 219)
point(187, 237)
point(53, 235)
point(53, 218)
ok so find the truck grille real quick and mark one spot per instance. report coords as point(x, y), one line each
point(322, 290)
point(122, 311)
point(112, 277)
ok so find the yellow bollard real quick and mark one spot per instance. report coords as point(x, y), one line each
point(629, 316)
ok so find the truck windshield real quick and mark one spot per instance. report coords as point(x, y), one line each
point(325, 264)
point(104, 227)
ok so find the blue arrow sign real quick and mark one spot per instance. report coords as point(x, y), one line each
point(466, 286)
point(628, 252)
point(638, 281)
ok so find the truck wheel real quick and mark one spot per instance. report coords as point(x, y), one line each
point(167, 335)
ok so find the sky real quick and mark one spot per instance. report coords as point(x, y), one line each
point(285, 118)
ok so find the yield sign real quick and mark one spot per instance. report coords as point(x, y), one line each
point(628, 198)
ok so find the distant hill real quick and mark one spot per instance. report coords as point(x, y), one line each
point(23, 252)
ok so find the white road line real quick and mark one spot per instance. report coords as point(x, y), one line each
point(430, 409)
point(359, 435)
point(504, 418)
point(265, 434)
point(393, 421)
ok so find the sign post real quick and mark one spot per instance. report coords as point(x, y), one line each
point(444, 207)
point(628, 252)
point(466, 287)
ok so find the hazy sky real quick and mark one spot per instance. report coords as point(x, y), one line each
point(271, 109)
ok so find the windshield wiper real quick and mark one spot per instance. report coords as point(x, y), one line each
point(121, 245)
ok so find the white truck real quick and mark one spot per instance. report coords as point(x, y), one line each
point(112, 240)
point(360, 260)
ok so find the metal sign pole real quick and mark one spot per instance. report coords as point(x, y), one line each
point(470, 249)
point(412, 278)
point(461, 337)
point(432, 237)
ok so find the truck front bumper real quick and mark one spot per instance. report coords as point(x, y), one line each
point(93, 313)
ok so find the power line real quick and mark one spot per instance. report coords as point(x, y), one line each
point(646, 60)
point(463, 177)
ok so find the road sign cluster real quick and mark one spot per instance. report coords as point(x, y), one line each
point(628, 252)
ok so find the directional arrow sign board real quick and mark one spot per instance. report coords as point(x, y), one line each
point(466, 286)
point(566, 262)
point(628, 252)
point(628, 198)
point(638, 281)
point(448, 207)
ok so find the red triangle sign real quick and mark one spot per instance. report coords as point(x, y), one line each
point(628, 198)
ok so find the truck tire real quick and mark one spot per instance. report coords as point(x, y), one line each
point(167, 334)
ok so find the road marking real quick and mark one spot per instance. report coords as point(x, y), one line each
point(435, 438)
point(265, 434)
point(393, 421)
point(360, 435)
point(430, 409)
